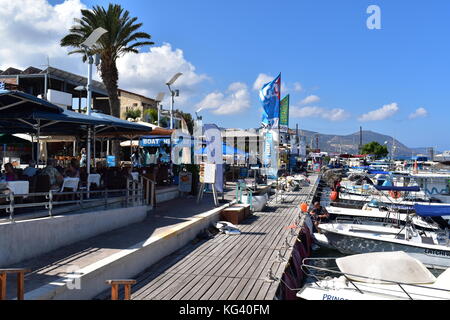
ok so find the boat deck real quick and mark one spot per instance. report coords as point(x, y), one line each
point(229, 267)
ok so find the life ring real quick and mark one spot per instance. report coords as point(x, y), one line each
point(395, 194)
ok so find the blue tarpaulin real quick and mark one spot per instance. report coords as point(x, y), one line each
point(392, 188)
point(432, 211)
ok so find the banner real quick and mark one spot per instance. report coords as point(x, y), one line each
point(270, 98)
point(284, 114)
point(270, 154)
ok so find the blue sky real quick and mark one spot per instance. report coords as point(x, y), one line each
point(326, 47)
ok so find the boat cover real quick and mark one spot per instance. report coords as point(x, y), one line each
point(377, 172)
point(432, 211)
point(392, 188)
point(392, 266)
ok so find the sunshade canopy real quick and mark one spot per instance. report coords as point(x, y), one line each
point(17, 101)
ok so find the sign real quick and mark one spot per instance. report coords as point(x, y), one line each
point(284, 114)
point(270, 156)
point(208, 173)
point(111, 161)
point(268, 142)
point(185, 184)
point(154, 141)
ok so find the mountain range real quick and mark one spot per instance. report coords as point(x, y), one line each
point(350, 143)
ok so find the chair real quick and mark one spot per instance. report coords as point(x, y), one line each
point(70, 183)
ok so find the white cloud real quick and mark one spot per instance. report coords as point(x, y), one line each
point(261, 80)
point(383, 113)
point(235, 100)
point(31, 30)
point(147, 72)
point(297, 87)
point(334, 115)
point(310, 99)
point(419, 113)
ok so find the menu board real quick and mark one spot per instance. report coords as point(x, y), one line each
point(207, 173)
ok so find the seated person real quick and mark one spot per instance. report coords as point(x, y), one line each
point(73, 171)
point(319, 215)
point(10, 174)
point(31, 170)
point(56, 178)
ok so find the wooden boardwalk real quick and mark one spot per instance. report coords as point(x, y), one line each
point(230, 267)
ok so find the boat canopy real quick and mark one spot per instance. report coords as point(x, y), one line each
point(377, 172)
point(393, 188)
point(390, 266)
point(432, 211)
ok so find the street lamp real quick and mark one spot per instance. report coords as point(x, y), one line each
point(158, 100)
point(87, 45)
point(173, 93)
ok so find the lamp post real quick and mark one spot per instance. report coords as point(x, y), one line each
point(158, 100)
point(172, 94)
point(87, 45)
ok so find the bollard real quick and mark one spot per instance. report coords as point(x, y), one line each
point(20, 273)
point(115, 288)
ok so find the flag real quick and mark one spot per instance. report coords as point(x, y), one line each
point(2, 86)
point(270, 98)
point(284, 114)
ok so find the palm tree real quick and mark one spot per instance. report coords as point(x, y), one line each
point(122, 37)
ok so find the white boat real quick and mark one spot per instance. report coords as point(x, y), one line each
point(434, 184)
point(378, 215)
point(375, 276)
point(430, 247)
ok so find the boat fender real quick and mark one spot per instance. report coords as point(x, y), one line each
point(395, 194)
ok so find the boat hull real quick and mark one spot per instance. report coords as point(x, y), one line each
point(354, 244)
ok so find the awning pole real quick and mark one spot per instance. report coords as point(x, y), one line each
point(38, 147)
point(94, 149)
point(33, 156)
point(88, 151)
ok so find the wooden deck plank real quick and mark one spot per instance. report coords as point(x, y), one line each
point(229, 267)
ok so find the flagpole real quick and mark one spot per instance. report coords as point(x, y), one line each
point(279, 140)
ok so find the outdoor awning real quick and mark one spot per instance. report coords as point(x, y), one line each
point(432, 211)
point(65, 122)
point(17, 101)
point(401, 189)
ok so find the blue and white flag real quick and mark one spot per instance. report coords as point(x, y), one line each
point(2, 86)
point(270, 98)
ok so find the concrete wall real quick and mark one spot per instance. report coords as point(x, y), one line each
point(26, 239)
point(167, 194)
point(125, 264)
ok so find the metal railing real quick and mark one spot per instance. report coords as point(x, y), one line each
point(53, 202)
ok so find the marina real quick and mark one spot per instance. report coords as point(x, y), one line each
point(189, 156)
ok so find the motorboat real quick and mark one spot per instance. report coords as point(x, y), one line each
point(373, 276)
point(430, 247)
point(380, 215)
